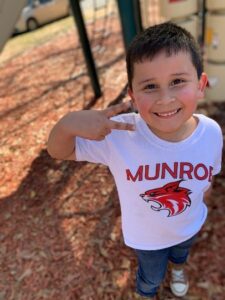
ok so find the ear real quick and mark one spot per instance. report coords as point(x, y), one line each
point(172, 186)
point(131, 94)
point(202, 85)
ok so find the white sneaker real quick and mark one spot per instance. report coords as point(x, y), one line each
point(179, 283)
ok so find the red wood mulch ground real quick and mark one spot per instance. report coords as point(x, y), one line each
point(60, 234)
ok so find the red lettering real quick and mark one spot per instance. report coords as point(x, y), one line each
point(188, 171)
point(210, 173)
point(198, 168)
point(156, 176)
point(166, 168)
point(183, 170)
point(137, 176)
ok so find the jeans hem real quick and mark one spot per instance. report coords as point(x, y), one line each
point(146, 295)
point(178, 262)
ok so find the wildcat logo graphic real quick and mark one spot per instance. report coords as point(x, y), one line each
point(169, 197)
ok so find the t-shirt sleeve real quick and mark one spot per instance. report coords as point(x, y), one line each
point(102, 151)
point(218, 159)
point(92, 151)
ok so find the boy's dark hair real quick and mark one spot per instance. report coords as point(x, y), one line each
point(165, 36)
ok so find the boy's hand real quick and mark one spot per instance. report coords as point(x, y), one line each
point(89, 124)
point(96, 124)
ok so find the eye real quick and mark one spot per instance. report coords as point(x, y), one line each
point(150, 87)
point(177, 81)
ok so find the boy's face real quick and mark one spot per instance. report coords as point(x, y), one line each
point(165, 91)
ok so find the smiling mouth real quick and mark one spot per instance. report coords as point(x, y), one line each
point(167, 114)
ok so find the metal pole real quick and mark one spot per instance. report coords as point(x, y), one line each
point(78, 17)
point(130, 18)
point(137, 15)
point(203, 23)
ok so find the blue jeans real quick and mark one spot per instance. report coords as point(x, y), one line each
point(152, 265)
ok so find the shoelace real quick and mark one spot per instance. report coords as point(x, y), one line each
point(178, 276)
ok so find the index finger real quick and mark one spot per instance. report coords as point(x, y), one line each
point(121, 125)
point(116, 109)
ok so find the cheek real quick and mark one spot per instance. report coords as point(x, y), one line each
point(187, 96)
point(143, 103)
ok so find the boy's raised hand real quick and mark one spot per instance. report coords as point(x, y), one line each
point(96, 124)
point(89, 124)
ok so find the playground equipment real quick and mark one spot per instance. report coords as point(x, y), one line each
point(9, 13)
point(133, 16)
point(215, 5)
point(215, 44)
point(183, 13)
point(178, 9)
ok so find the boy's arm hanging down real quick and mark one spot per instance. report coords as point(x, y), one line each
point(88, 124)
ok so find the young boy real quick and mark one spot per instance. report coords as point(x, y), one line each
point(163, 158)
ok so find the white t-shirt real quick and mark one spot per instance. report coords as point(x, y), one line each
point(160, 183)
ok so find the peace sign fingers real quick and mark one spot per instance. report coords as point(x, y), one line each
point(121, 125)
point(116, 109)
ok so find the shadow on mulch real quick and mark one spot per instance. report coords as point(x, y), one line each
point(39, 262)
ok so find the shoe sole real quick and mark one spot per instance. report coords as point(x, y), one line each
point(179, 294)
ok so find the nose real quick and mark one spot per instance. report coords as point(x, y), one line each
point(165, 97)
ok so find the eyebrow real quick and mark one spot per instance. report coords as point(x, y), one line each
point(153, 78)
point(146, 80)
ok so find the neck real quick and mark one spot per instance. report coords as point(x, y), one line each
point(181, 134)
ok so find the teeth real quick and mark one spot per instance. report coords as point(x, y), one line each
point(167, 114)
